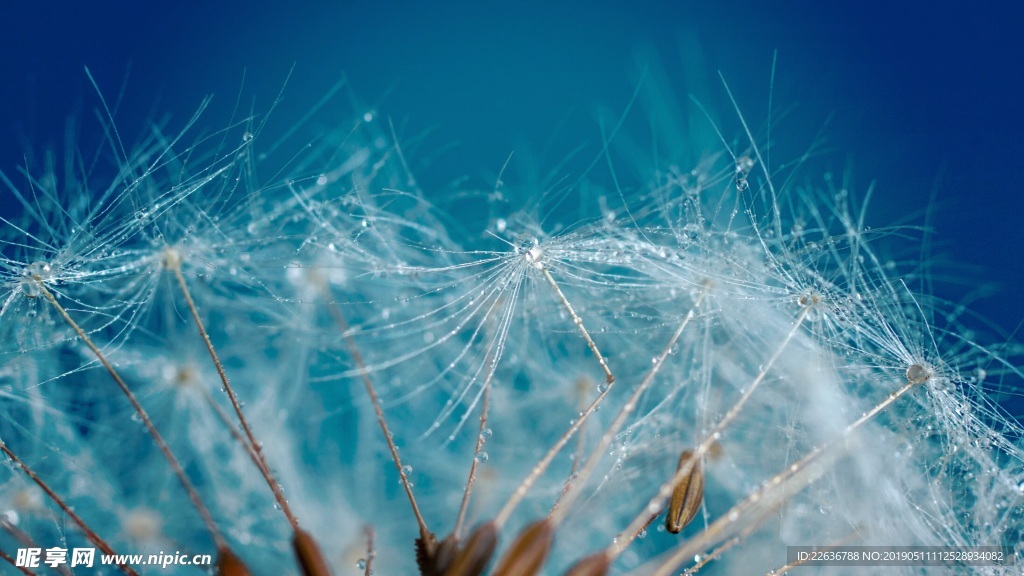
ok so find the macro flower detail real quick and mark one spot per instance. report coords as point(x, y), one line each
point(265, 354)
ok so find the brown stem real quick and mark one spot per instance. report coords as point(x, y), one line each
point(89, 533)
point(608, 376)
point(480, 440)
point(173, 261)
point(357, 357)
point(193, 494)
point(23, 570)
point(371, 552)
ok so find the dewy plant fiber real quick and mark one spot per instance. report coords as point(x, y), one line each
point(674, 351)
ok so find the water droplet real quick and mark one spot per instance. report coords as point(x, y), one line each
point(486, 433)
point(407, 469)
point(361, 564)
point(482, 457)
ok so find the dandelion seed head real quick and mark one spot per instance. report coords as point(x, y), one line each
point(534, 255)
point(171, 258)
point(917, 374)
point(336, 270)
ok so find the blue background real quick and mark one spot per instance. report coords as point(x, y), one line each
point(924, 98)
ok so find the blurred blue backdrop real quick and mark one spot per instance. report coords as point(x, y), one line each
point(923, 99)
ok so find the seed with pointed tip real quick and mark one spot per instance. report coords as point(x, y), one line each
point(686, 496)
point(527, 554)
point(228, 564)
point(594, 565)
point(426, 555)
point(474, 557)
point(311, 561)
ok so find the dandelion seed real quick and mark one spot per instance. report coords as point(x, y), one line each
point(687, 495)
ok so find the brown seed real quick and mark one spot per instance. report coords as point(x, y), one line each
point(474, 557)
point(445, 553)
point(230, 565)
point(596, 564)
point(426, 552)
point(311, 561)
point(686, 496)
point(527, 554)
point(433, 558)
